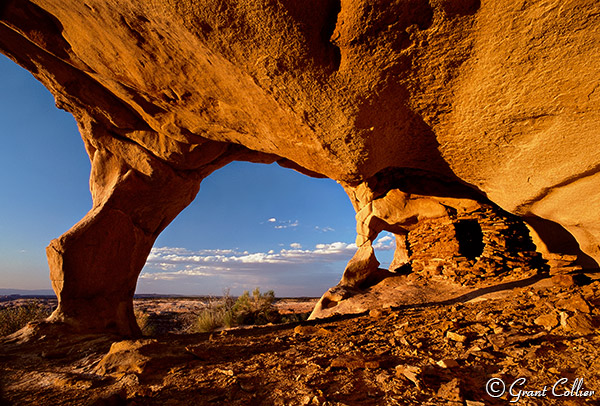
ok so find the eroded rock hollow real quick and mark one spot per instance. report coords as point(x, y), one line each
point(461, 114)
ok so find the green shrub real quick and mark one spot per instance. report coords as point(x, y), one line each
point(217, 314)
point(16, 317)
point(255, 309)
point(246, 310)
point(209, 320)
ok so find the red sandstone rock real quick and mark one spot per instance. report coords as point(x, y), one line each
point(548, 321)
point(499, 97)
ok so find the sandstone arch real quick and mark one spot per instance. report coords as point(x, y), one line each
point(499, 97)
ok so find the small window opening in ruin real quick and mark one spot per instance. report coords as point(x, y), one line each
point(470, 238)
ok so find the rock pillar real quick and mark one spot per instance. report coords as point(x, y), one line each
point(94, 266)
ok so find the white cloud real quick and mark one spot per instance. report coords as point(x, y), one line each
point(385, 242)
point(324, 229)
point(386, 238)
point(287, 224)
point(282, 224)
point(168, 263)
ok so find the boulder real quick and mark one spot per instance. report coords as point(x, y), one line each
point(361, 267)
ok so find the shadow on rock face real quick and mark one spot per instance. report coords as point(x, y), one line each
point(411, 292)
point(46, 29)
point(395, 135)
point(558, 239)
point(318, 25)
point(422, 182)
point(460, 7)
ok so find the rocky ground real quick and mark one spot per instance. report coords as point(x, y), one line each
point(165, 314)
point(538, 335)
point(177, 315)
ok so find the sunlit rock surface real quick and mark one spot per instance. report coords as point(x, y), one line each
point(499, 97)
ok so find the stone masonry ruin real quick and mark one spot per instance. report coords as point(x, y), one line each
point(441, 228)
point(447, 247)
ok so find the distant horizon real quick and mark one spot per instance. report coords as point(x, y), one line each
point(250, 225)
point(45, 293)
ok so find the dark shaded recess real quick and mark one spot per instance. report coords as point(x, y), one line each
point(404, 269)
point(331, 16)
point(375, 277)
point(559, 240)
point(470, 238)
point(460, 7)
point(286, 163)
point(418, 181)
point(116, 399)
point(40, 27)
point(317, 22)
point(396, 134)
point(581, 280)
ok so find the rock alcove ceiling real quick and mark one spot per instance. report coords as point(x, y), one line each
point(451, 123)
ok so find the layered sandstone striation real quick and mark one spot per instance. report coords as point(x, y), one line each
point(499, 98)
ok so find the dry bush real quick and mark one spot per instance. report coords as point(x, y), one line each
point(255, 309)
point(209, 319)
point(217, 314)
point(246, 310)
point(145, 322)
point(14, 318)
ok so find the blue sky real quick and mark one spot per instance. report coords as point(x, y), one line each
point(250, 225)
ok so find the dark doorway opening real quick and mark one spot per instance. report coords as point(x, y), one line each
point(470, 238)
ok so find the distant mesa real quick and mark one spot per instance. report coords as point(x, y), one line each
point(474, 122)
point(26, 292)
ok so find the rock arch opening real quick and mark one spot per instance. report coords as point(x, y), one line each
point(44, 178)
point(255, 225)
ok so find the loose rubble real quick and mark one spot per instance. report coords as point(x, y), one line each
point(443, 354)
